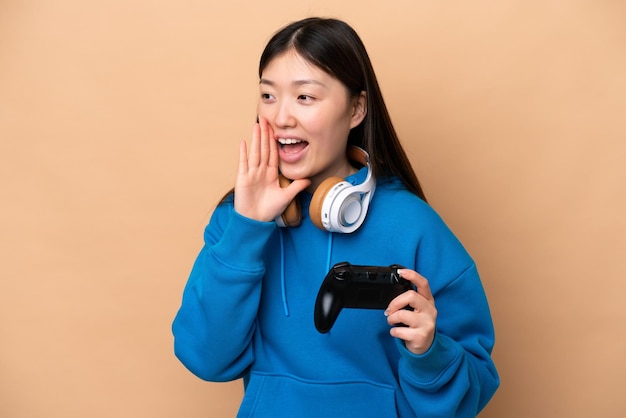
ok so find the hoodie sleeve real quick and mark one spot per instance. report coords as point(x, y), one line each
point(215, 323)
point(456, 377)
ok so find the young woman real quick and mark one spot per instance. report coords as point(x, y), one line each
point(248, 307)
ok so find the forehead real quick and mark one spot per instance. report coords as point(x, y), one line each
point(290, 67)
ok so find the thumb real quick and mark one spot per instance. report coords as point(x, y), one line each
point(297, 186)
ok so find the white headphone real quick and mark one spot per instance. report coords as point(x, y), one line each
point(337, 205)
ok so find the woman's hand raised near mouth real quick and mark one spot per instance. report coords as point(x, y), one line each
point(258, 194)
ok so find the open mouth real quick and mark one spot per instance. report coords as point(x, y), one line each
point(291, 145)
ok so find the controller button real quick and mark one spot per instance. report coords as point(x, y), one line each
point(341, 274)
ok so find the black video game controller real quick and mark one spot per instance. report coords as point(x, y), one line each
point(349, 286)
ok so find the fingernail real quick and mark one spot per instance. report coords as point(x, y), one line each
point(386, 312)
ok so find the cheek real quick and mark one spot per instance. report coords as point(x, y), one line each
point(339, 128)
point(329, 124)
point(263, 111)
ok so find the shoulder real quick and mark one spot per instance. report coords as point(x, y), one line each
point(220, 218)
point(393, 198)
point(397, 208)
point(439, 253)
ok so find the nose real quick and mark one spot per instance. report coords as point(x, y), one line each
point(284, 116)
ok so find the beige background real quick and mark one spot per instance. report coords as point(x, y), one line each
point(119, 125)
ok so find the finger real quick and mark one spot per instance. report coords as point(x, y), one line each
point(264, 145)
point(243, 158)
point(420, 282)
point(410, 298)
point(403, 317)
point(255, 154)
point(298, 185)
point(417, 340)
point(273, 148)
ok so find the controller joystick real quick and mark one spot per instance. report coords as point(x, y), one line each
point(351, 286)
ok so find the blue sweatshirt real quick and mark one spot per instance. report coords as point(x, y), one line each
point(247, 311)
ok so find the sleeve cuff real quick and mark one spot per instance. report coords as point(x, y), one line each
point(243, 243)
point(430, 367)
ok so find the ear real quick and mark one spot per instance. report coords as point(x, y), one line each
point(359, 109)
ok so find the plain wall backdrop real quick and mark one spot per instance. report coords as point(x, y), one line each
point(119, 129)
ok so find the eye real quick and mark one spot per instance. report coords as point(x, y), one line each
point(305, 98)
point(266, 97)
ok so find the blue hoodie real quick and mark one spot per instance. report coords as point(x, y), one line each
point(247, 312)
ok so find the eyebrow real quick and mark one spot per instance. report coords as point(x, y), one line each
point(295, 83)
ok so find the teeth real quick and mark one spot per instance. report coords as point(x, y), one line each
point(289, 141)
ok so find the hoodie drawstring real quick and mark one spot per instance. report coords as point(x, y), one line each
point(329, 252)
point(283, 286)
point(282, 273)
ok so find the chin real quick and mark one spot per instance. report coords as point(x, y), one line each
point(292, 174)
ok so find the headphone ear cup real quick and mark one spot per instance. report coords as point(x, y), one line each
point(317, 201)
point(292, 216)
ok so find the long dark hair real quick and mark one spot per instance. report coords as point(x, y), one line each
point(333, 46)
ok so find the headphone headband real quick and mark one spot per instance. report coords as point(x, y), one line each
point(359, 155)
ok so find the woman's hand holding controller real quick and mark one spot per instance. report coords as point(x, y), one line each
point(419, 332)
